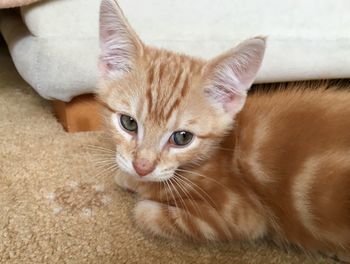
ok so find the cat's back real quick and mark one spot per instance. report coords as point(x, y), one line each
point(293, 146)
point(317, 117)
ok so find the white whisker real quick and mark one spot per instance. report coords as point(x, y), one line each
point(189, 196)
point(181, 199)
point(171, 192)
point(192, 185)
point(206, 177)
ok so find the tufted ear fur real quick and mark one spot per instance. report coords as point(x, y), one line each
point(232, 73)
point(120, 46)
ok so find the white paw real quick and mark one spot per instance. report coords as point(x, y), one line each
point(149, 216)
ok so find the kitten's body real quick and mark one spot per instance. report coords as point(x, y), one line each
point(278, 168)
point(293, 151)
point(283, 172)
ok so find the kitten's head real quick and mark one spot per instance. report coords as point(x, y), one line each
point(168, 110)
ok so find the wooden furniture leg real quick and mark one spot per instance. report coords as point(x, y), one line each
point(80, 114)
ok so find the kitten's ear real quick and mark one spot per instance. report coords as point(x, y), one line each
point(120, 46)
point(232, 74)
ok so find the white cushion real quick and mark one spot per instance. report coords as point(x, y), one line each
point(54, 67)
point(62, 18)
point(306, 39)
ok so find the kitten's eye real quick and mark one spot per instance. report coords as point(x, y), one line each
point(128, 123)
point(181, 138)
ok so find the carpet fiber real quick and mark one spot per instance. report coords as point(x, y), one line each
point(55, 208)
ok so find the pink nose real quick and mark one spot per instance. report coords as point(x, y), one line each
point(143, 167)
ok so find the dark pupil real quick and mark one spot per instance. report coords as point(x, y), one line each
point(182, 138)
point(128, 123)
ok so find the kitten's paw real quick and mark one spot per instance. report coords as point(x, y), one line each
point(126, 182)
point(172, 222)
point(153, 217)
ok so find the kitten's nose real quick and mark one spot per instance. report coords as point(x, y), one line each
point(143, 167)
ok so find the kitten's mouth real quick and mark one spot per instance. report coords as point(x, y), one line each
point(151, 177)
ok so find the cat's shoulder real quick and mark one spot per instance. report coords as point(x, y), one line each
point(285, 109)
point(307, 96)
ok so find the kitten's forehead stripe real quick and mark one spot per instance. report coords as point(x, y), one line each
point(169, 81)
point(178, 99)
point(178, 76)
point(185, 87)
point(149, 99)
point(150, 75)
point(161, 66)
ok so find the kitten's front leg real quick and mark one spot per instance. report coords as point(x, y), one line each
point(195, 220)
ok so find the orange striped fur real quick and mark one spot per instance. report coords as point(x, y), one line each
point(278, 168)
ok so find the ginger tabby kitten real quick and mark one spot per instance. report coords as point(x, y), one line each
point(210, 163)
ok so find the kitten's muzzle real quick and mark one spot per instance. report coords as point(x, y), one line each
point(143, 166)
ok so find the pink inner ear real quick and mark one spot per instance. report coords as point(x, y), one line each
point(103, 68)
point(234, 103)
point(234, 72)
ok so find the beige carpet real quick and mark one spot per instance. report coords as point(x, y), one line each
point(54, 209)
